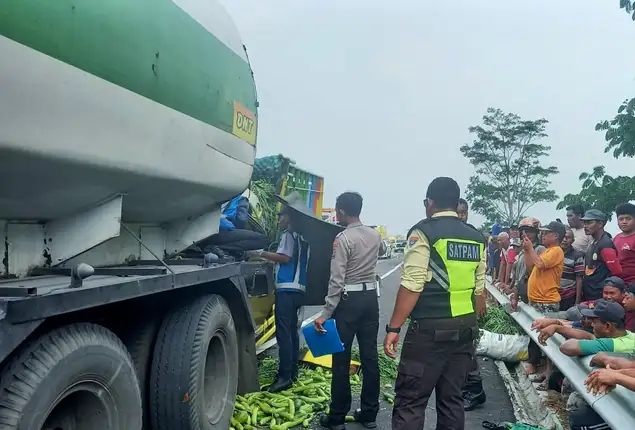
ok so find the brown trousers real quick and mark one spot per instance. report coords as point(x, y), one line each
point(436, 356)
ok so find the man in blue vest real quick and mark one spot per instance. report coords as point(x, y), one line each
point(443, 271)
point(292, 258)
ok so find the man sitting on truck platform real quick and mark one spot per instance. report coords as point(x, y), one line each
point(291, 260)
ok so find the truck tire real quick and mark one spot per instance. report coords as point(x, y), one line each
point(140, 340)
point(76, 377)
point(194, 375)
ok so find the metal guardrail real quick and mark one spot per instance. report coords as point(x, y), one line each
point(617, 408)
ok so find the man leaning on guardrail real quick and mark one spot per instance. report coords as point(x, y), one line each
point(543, 286)
point(609, 335)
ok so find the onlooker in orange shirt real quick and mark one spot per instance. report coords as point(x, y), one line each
point(543, 287)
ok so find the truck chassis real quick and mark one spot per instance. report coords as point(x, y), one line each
point(150, 345)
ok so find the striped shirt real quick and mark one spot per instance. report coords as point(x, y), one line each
point(573, 267)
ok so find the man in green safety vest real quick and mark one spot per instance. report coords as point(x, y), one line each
point(443, 270)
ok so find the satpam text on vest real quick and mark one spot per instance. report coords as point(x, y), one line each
point(463, 251)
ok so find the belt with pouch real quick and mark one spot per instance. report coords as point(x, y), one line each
point(364, 286)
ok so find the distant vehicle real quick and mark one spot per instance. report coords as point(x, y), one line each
point(400, 246)
point(388, 253)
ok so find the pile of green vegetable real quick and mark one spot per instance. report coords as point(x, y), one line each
point(497, 320)
point(299, 405)
point(288, 409)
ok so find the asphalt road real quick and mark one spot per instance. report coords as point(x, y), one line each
point(498, 406)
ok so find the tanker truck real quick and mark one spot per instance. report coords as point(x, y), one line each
point(123, 128)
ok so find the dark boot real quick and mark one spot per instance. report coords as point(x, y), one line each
point(280, 384)
point(325, 421)
point(359, 418)
point(472, 401)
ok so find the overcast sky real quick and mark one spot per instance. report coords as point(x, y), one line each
point(377, 96)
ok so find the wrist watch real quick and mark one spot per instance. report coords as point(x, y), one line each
point(390, 329)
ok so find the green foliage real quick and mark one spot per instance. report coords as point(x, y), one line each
point(620, 131)
point(510, 176)
point(629, 7)
point(266, 214)
point(601, 191)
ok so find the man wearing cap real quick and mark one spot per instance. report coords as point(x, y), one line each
point(601, 260)
point(352, 300)
point(543, 286)
point(528, 227)
point(609, 335)
point(609, 332)
point(544, 282)
point(614, 289)
point(291, 260)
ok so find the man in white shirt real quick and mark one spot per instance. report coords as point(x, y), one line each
point(581, 239)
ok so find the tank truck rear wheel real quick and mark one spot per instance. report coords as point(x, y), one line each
point(139, 341)
point(194, 376)
point(78, 377)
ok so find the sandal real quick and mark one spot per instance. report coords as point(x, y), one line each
point(543, 386)
point(536, 377)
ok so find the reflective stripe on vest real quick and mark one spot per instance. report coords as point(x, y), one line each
point(300, 262)
point(461, 259)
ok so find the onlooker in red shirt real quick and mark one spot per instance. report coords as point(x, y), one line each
point(625, 241)
point(507, 258)
point(601, 256)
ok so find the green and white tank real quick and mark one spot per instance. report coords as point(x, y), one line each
point(154, 99)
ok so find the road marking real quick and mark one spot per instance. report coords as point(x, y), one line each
point(312, 318)
point(391, 271)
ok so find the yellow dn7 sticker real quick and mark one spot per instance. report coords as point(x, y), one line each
point(244, 124)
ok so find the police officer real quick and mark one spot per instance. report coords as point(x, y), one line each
point(473, 392)
point(443, 270)
point(352, 300)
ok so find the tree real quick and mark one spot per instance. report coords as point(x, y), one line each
point(601, 191)
point(628, 7)
point(620, 131)
point(510, 177)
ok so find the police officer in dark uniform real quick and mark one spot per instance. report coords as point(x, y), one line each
point(352, 300)
point(443, 270)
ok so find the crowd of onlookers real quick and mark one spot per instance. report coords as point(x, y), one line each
point(583, 280)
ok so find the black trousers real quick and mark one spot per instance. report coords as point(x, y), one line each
point(436, 356)
point(474, 381)
point(357, 315)
point(286, 313)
